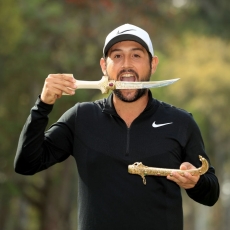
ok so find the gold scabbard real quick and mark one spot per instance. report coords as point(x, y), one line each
point(142, 170)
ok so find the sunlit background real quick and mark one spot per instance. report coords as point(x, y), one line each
point(38, 37)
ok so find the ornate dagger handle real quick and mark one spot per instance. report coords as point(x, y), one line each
point(104, 84)
point(142, 170)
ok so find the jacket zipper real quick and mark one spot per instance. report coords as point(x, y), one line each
point(127, 142)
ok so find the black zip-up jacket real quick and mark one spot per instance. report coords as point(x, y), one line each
point(103, 147)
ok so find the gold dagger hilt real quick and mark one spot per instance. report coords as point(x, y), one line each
point(104, 85)
point(142, 170)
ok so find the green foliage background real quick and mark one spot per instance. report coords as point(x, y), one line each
point(38, 37)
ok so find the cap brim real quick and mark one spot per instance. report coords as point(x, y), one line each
point(124, 37)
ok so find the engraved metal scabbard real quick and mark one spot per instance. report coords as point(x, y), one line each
point(142, 170)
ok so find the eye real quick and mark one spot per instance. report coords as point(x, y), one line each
point(117, 56)
point(136, 55)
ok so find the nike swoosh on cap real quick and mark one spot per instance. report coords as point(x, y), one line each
point(160, 125)
point(118, 32)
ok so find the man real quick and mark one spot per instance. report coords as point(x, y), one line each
point(107, 135)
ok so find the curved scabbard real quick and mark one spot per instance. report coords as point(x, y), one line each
point(142, 170)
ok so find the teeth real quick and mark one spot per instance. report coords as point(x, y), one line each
point(127, 75)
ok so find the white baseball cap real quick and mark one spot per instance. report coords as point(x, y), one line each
point(128, 32)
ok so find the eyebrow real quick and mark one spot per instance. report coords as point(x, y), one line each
point(132, 49)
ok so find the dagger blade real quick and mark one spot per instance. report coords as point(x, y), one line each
point(143, 85)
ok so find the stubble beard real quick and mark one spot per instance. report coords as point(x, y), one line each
point(139, 92)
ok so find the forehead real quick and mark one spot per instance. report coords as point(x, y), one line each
point(127, 46)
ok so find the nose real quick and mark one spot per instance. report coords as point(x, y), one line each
point(127, 62)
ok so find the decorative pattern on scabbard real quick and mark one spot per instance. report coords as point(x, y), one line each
point(142, 170)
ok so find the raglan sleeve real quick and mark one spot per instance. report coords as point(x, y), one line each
point(39, 149)
point(206, 191)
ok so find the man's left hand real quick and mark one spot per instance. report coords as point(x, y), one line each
point(186, 181)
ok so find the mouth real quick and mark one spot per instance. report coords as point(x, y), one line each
point(128, 77)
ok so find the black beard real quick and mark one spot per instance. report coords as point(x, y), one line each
point(139, 92)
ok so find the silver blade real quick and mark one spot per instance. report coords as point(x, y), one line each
point(144, 84)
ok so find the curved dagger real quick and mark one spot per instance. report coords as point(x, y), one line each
point(105, 85)
point(142, 170)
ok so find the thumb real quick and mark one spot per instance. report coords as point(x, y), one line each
point(186, 165)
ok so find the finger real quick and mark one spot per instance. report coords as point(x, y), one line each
point(182, 177)
point(186, 165)
point(176, 177)
point(185, 181)
point(55, 85)
point(66, 80)
point(60, 88)
point(183, 167)
point(63, 76)
point(62, 82)
point(183, 184)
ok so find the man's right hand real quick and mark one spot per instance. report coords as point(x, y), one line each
point(57, 84)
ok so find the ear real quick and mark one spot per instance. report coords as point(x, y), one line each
point(154, 64)
point(103, 65)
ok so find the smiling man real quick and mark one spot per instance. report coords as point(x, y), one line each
point(129, 56)
point(107, 135)
point(129, 61)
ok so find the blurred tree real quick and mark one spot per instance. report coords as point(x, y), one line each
point(11, 29)
point(11, 26)
point(216, 15)
point(39, 37)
